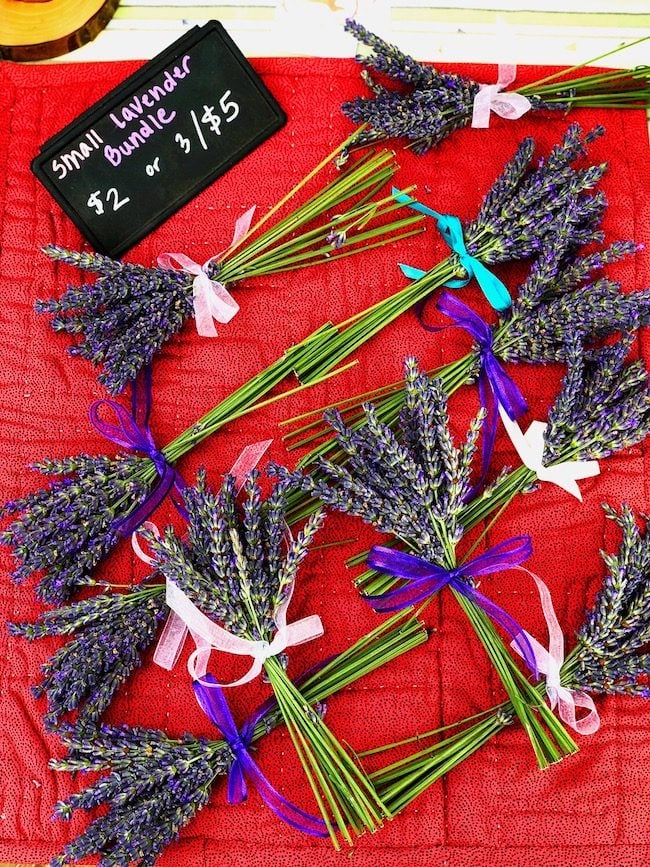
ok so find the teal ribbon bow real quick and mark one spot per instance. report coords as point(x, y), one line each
point(451, 231)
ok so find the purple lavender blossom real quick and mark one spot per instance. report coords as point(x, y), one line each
point(604, 404)
point(125, 316)
point(66, 529)
point(111, 632)
point(233, 560)
point(412, 483)
point(156, 785)
point(613, 643)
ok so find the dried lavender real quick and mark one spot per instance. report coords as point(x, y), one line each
point(414, 483)
point(111, 632)
point(156, 783)
point(233, 569)
point(610, 657)
point(612, 653)
point(155, 787)
point(66, 529)
point(429, 105)
point(130, 311)
point(604, 405)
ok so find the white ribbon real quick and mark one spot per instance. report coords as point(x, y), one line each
point(549, 663)
point(530, 448)
point(213, 637)
point(212, 301)
point(489, 98)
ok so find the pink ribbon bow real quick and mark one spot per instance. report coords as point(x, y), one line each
point(549, 663)
point(489, 98)
point(212, 301)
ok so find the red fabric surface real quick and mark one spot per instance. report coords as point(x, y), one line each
point(495, 809)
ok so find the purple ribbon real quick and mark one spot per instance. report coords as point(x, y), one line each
point(424, 579)
point(132, 432)
point(494, 385)
point(213, 702)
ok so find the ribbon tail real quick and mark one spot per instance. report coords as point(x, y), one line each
point(283, 809)
point(410, 272)
point(500, 616)
point(131, 522)
point(237, 788)
point(568, 700)
point(494, 289)
point(511, 106)
point(488, 402)
point(483, 106)
point(171, 641)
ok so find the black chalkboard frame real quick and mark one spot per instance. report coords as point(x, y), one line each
point(73, 131)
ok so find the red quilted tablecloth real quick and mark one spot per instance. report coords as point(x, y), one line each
point(497, 809)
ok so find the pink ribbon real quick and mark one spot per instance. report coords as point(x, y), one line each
point(212, 301)
point(489, 98)
point(549, 663)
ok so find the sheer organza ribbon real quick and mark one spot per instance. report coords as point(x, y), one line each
point(451, 230)
point(530, 448)
point(212, 301)
point(549, 663)
point(213, 703)
point(133, 432)
point(496, 389)
point(424, 579)
point(490, 99)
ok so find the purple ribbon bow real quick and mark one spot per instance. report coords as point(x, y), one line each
point(132, 432)
point(424, 579)
point(494, 385)
point(213, 703)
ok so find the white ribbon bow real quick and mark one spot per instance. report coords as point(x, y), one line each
point(530, 448)
point(489, 98)
point(549, 663)
point(211, 300)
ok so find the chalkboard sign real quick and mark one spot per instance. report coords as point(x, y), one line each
point(156, 140)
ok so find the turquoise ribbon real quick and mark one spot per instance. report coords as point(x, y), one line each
point(451, 230)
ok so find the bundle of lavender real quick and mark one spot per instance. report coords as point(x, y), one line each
point(156, 783)
point(131, 311)
point(430, 105)
point(610, 657)
point(67, 529)
point(415, 487)
point(235, 571)
point(560, 296)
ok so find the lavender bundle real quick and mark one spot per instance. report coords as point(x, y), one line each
point(610, 657)
point(518, 213)
point(156, 783)
point(111, 632)
point(234, 570)
point(561, 295)
point(603, 407)
point(131, 311)
point(414, 487)
point(429, 105)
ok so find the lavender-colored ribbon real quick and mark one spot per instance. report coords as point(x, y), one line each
point(424, 579)
point(132, 432)
point(213, 703)
point(495, 387)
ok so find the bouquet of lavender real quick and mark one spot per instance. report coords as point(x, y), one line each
point(610, 658)
point(234, 570)
point(111, 632)
point(156, 783)
point(66, 536)
point(560, 296)
point(130, 311)
point(415, 487)
point(435, 104)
